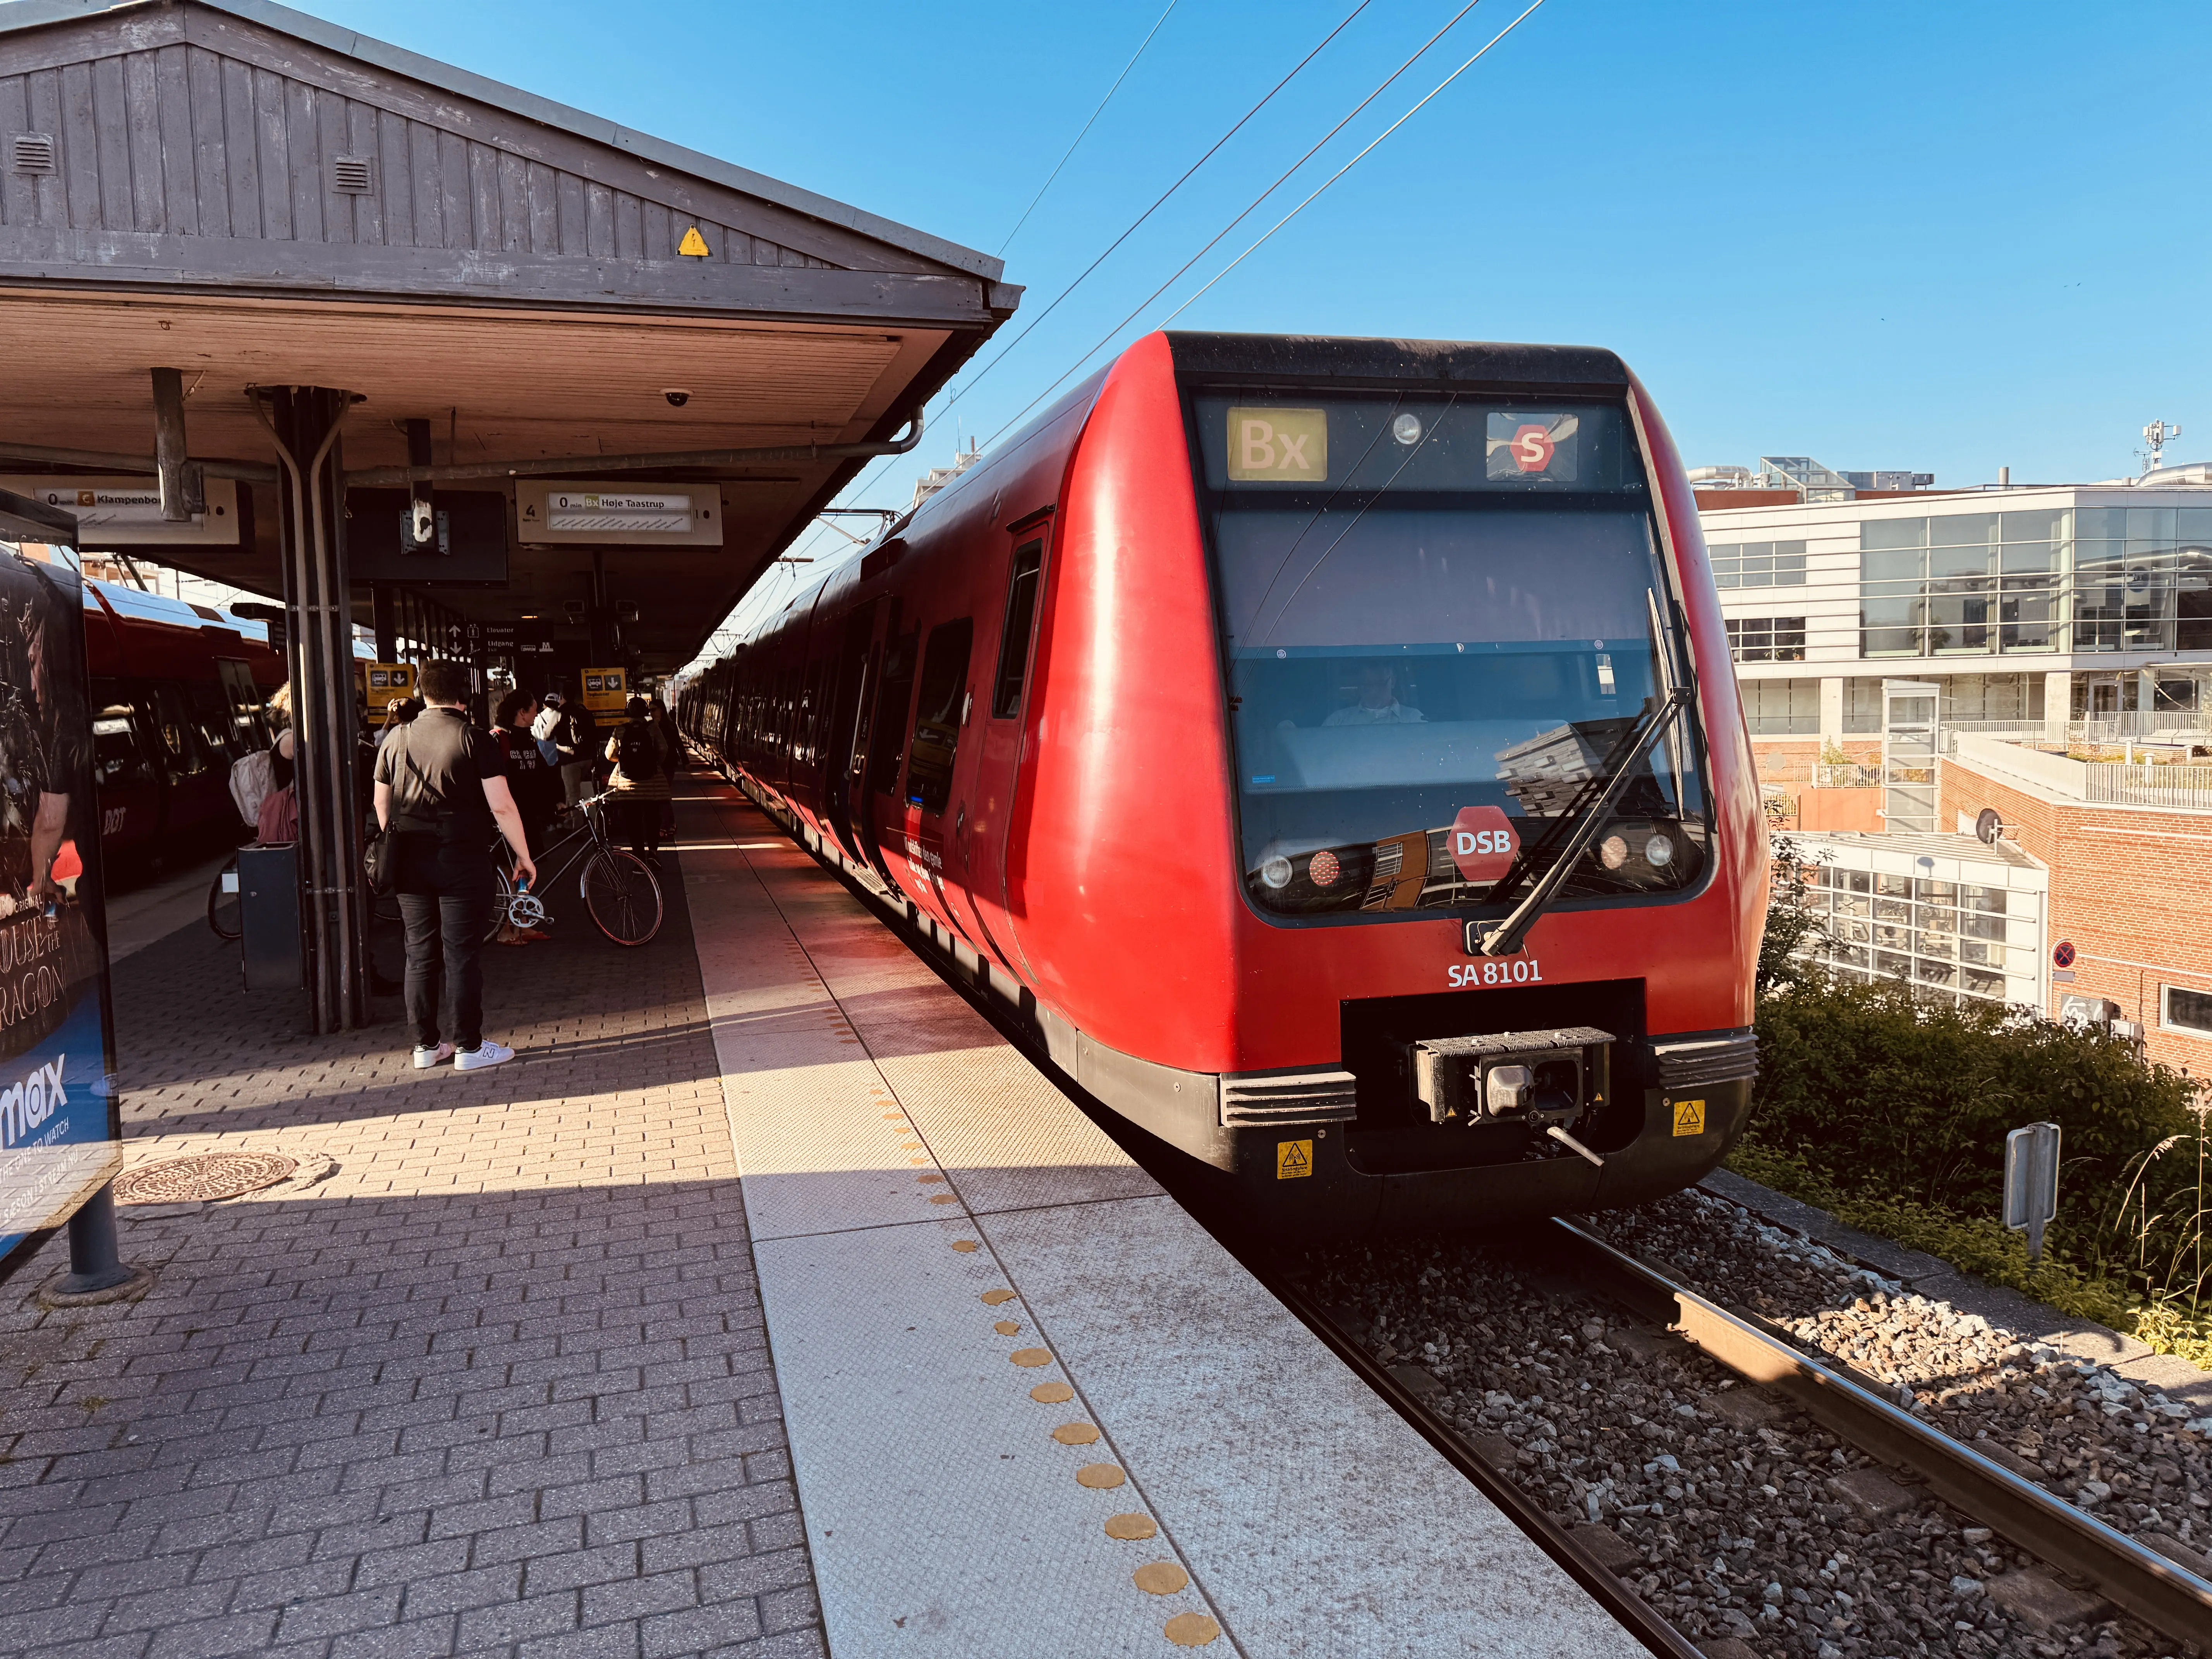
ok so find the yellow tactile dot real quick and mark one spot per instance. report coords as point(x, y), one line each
point(965, 1245)
point(1031, 1359)
point(1130, 1525)
point(944, 1198)
point(929, 1177)
point(1006, 1328)
point(1099, 1477)
point(893, 1117)
point(992, 1299)
point(1191, 1630)
point(1076, 1434)
point(1051, 1394)
point(1160, 1577)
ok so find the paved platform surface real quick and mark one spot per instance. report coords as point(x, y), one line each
point(520, 1366)
point(498, 1385)
point(1034, 1408)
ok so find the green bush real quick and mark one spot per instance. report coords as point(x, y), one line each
point(1892, 1109)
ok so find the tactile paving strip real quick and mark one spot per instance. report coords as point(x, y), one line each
point(934, 1222)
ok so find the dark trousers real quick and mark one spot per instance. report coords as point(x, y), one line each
point(639, 824)
point(445, 902)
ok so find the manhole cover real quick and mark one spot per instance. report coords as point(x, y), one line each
point(192, 1180)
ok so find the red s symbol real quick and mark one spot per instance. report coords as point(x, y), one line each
point(1533, 448)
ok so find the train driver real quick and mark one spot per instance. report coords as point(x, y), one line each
point(1378, 704)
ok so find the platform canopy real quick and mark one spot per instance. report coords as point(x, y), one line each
point(255, 198)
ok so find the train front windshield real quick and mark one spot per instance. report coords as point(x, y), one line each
point(1445, 621)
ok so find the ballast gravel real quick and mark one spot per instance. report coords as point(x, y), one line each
point(1734, 1515)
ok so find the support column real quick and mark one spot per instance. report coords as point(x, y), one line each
point(304, 422)
point(385, 615)
point(2057, 706)
point(1832, 714)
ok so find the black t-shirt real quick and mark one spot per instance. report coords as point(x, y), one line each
point(437, 766)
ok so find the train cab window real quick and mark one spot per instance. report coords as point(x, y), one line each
point(119, 762)
point(1014, 637)
point(939, 715)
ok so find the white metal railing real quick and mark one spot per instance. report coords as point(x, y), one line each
point(2141, 723)
point(2187, 788)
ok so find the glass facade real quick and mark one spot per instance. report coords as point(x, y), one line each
point(1758, 564)
point(1766, 639)
point(2050, 579)
point(1945, 938)
point(1781, 709)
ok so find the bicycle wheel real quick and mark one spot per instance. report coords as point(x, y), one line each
point(223, 906)
point(623, 896)
point(502, 888)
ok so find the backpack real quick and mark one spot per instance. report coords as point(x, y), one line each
point(279, 817)
point(252, 778)
point(634, 751)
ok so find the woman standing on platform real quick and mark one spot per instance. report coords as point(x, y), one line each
point(640, 784)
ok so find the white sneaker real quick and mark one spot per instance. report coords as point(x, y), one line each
point(426, 1057)
point(485, 1054)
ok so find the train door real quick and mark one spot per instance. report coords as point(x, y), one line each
point(198, 785)
point(128, 786)
point(933, 815)
point(879, 756)
point(980, 843)
point(857, 667)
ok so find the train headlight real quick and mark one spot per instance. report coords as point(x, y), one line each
point(1407, 429)
point(1323, 868)
point(1659, 852)
point(1613, 852)
point(1276, 872)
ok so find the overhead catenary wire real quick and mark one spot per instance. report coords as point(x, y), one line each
point(1138, 309)
point(1348, 166)
point(1087, 126)
point(1159, 202)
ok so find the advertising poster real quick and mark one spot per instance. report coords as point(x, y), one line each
point(60, 1125)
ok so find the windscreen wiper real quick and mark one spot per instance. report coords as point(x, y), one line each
point(1588, 814)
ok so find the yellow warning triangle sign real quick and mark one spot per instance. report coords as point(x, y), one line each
point(693, 244)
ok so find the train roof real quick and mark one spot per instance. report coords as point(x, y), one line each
point(1305, 358)
point(139, 606)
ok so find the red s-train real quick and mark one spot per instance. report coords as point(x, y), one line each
point(1329, 747)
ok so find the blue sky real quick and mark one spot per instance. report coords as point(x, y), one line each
point(1947, 238)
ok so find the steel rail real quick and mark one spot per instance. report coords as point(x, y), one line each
point(1624, 1606)
point(2133, 1578)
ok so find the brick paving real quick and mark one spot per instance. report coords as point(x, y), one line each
point(498, 1384)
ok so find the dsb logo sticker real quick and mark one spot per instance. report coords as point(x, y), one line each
point(1483, 844)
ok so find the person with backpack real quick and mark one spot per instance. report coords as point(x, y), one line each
point(441, 784)
point(640, 783)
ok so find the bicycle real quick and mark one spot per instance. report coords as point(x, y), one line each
point(222, 902)
point(620, 893)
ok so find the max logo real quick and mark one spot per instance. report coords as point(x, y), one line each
point(26, 1106)
point(1482, 843)
point(1533, 448)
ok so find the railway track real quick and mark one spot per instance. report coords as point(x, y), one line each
point(2082, 1549)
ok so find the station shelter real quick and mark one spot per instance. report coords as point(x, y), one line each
point(403, 348)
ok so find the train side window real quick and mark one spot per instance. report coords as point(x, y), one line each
point(211, 715)
point(1014, 637)
point(937, 715)
point(119, 761)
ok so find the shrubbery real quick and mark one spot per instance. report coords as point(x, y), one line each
point(1892, 1109)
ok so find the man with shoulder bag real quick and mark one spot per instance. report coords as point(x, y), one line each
point(442, 786)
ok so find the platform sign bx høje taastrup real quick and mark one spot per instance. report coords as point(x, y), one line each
point(59, 1134)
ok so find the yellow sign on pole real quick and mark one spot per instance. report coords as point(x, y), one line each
point(607, 690)
point(389, 683)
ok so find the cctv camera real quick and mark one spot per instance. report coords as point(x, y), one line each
point(677, 397)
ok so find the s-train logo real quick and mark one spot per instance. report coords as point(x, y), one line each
point(25, 1108)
